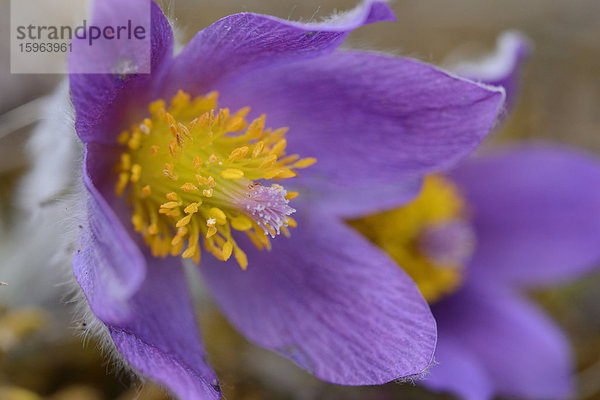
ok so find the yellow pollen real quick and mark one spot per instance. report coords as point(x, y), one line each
point(168, 171)
point(125, 161)
point(239, 153)
point(210, 223)
point(213, 159)
point(153, 229)
point(146, 191)
point(191, 170)
point(122, 183)
point(192, 208)
point(400, 233)
point(171, 204)
point(134, 141)
point(138, 222)
point(189, 187)
point(184, 221)
point(197, 162)
point(136, 171)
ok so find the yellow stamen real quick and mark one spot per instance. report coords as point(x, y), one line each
point(269, 161)
point(218, 215)
point(197, 163)
point(170, 204)
point(258, 149)
point(191, 209)
point(136, 171)
point(227, 250)
point(184, 221)
point(305, 162)
point(189, 187)
point(123, 137)
point(279, 147)
point(241, 223)
point(291, 222)
point(232, 173)
point(241, 258)
point(212, 230)
point(191, 171)
point(146, 191)
point(239, 153)
point(125, 161)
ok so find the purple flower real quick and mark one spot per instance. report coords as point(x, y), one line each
point(167, 171)
point(534, 214)
point(523, 217)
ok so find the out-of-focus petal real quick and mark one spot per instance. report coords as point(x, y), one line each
point(457, 371)
point(373, 122)
point(524, 354)
point(162, 340)
point(330, 301)
point(536, 213)
point(502, 67)
point(106, 103)
point(246, 41)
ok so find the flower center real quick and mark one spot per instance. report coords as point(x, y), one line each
point(430, 238)
point(191, 172)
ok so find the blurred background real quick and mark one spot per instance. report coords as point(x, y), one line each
point(42, 355)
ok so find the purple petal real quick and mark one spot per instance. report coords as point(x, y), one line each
point(108, 264)
point(246, 41)
point(502, 67)
point(458, 371)
point(524, 353)
point(330, 301)
point(375, 123)
point(162, 339)
point(144, 301)
point(106, 103)
point(357, 201)
point(535, 213)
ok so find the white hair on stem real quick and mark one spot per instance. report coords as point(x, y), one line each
point(50, 201)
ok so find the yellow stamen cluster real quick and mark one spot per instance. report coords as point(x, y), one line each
point(190, 172)
point(398, 232)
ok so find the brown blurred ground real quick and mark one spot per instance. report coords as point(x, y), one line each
point(560, 101)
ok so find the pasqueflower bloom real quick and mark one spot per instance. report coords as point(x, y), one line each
point(181, 163)
point(476, 237)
